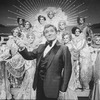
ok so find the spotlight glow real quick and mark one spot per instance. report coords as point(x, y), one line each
point(28, 9)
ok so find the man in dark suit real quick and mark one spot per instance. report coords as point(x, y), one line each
point(53, 66)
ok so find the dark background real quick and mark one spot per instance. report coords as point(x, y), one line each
point(93, 6)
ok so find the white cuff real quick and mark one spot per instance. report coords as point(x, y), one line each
point(21, 49)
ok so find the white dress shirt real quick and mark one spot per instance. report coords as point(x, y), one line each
point(48, 48)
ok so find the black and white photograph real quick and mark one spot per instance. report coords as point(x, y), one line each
point(49, 49)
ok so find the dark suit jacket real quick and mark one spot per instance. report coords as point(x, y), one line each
point(59, 60)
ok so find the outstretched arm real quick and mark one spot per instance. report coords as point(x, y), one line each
point(29, 55)
point(23, 51)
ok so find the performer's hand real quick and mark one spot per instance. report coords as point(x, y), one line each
point(20, 44)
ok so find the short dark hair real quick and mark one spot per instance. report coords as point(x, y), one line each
point(49, 25)
point(19, 19)
point(40, 16)
point(78, 19)
point(74, 29)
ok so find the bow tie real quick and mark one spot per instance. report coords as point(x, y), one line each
point(49, 43)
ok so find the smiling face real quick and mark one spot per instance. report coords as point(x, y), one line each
point(97, 40)
point(66, 38)
point(15, 33)
point(27, 25)
point(50, 33)
point(42, 20)
point(51, 14)
point(31, 38)
point(77, 32)
point(62, 25)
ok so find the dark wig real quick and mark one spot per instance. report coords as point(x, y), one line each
point(78, 19)
point(74, 29)
point(40, 16)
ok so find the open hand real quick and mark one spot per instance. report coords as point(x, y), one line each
point(19, 43)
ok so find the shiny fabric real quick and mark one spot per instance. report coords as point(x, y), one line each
point(96, 88)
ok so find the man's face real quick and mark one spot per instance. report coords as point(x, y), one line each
point(50, 34)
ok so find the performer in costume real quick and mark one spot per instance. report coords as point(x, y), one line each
point(84, 27)
point(4, 89)
point(15, 65)
point(26, 90)
point(55, 15)
point(96, 68)
point(49, 15)
point(70, 94)
point(21, 23)
point(38, 28)
point(85, 67)
point(62, 28)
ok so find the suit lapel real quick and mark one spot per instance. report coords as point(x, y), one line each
point(41, 54)
point(53, 53)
